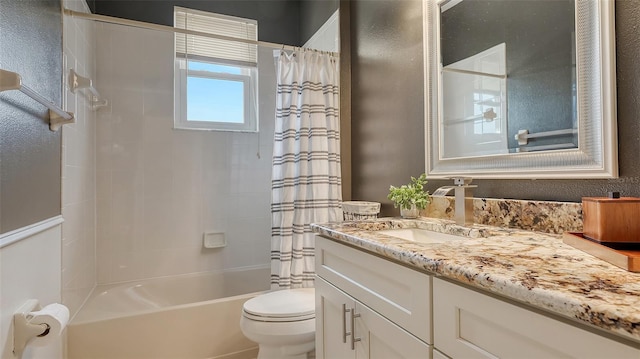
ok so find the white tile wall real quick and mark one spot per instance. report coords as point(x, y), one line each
point(159, 189)
point(137, 194)
point(78, 165)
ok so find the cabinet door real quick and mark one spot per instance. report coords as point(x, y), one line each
point(378, 338)
point(333, 324)
point(400, 294)
point(438, 355)
point(469, 324)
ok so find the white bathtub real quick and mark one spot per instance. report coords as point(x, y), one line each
point(188, 316)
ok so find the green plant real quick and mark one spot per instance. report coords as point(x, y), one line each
point(409, 194)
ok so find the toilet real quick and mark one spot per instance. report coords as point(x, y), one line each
point(283, 323)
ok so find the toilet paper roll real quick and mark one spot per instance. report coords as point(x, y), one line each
point(56, 316)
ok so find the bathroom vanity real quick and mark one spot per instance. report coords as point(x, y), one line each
point(388, 289)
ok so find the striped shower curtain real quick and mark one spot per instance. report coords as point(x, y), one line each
point(306, 181)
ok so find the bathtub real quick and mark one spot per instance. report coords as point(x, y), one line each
point(187, 316)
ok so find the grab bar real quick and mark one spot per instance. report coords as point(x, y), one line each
point(79, 82)
point(558, 146)
point(523, 136)
point(489, 115)
point(474, 73)
point(57, 116)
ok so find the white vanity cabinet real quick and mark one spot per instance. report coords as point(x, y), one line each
point(350, 329)
point(386, 313)
point(371, 307)
point(469, 324)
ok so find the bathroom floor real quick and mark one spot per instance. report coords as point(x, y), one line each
point(253, 354)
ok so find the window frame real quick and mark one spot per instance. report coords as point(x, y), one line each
point(248, 77)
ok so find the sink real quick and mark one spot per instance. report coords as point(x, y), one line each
point(421, 235)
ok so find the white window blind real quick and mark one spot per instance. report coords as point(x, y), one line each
point(210, 49)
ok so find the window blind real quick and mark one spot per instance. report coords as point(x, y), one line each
point(208, 49)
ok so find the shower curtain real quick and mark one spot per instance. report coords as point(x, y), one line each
point(306, 180)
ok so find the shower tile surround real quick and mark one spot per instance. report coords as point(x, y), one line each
point(537, 216)
point(533, 268)
point(78, 165)
point(159, 189)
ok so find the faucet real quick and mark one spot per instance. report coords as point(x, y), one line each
point(463, 199)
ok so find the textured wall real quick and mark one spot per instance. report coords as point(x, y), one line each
point(387, 139)
point(30, 154)
point(388, 109)
point(314, 13)
point(277, 19)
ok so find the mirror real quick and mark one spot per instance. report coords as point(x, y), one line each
point(520, 89)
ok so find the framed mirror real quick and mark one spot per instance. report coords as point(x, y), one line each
point(520, 89)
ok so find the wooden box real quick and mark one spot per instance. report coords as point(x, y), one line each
point(625, 259)
point(612, 221)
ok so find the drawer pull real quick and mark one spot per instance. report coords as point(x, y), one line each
point(353, 329)
point(345, 334)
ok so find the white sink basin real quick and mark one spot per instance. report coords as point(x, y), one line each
point(421, 235)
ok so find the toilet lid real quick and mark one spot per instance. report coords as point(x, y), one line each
point(282, 305)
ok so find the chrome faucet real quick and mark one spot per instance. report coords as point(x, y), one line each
point(463, 199)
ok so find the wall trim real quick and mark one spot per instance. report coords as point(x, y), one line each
point(28, 231)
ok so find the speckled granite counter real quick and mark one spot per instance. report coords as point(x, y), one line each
point(537, 269)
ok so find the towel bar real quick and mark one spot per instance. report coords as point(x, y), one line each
point(57, 116)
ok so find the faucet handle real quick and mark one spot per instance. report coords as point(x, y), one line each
point(462, 181)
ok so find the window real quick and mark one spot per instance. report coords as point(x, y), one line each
point(215, 80)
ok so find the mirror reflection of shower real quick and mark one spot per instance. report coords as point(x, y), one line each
point(518, 59)
point(475, 105)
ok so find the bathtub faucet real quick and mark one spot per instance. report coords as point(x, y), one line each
point(463, 199)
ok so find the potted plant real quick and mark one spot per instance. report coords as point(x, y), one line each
point(411, 198)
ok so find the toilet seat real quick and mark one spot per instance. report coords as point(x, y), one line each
point(289, 305)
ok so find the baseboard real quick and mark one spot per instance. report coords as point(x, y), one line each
point(251, 353)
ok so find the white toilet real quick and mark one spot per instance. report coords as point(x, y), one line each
point(283, 323)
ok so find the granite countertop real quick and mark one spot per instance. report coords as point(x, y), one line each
point(534, 268)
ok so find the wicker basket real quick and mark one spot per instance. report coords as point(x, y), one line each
point(360, 210)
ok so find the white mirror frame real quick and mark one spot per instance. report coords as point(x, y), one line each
point(597, 152)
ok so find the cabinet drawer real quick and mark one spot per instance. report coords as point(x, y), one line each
point(469, 324)
point(400, 294)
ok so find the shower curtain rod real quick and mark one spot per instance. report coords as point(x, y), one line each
point(165, 28)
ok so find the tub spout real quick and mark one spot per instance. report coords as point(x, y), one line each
point(463, 199)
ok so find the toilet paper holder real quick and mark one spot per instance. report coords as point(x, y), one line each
point(23, 329)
